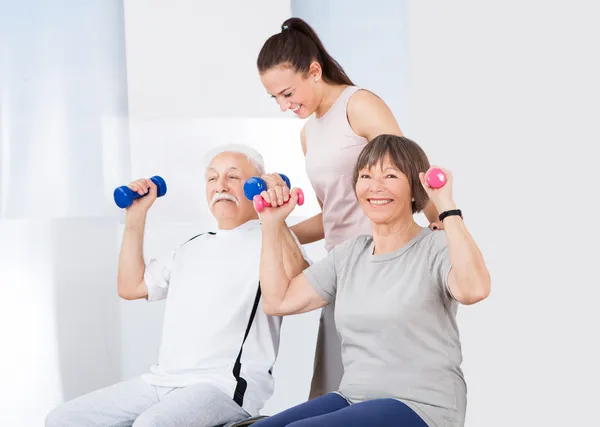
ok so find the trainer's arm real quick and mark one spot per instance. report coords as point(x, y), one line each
point(310, 230)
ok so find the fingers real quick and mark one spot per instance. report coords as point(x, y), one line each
point(152, 188)
point(270, 197)
point(273, 196)
point(132, 186)
point(286, 193)
point(266, 197)
point(279, 195)
point(293, 197)
point(277, 192)
point(276, 196)
point(273, 180)
point(143, 186)
point(140, 186)
point(287, 207)
point(425, 184)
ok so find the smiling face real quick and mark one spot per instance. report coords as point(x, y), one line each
point(225, 178)
point(386, 178)
point(292, 90)
point(384, 192)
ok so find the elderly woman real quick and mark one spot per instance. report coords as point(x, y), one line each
point(396, 293)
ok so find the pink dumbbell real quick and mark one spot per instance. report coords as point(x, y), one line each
point(260, 204)
point(436, 178)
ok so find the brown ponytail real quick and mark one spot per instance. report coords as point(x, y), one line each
point(297, 45)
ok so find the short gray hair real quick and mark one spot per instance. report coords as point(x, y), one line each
point(253, 156)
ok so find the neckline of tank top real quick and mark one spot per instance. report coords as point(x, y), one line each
point(334, 105)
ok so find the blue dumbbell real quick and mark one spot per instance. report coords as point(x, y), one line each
point(124, 196)
point(256, 185)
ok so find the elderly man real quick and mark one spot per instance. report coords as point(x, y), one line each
point(218, 347)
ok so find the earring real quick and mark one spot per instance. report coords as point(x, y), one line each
point(413, 199)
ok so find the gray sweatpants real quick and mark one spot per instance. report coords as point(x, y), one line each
point(139, 404)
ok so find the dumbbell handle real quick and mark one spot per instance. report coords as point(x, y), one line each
point(260, 204)
point(124, 196)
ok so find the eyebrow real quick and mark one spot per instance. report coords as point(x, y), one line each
point(211, 168)
point(386, 169)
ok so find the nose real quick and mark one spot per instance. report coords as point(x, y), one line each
point(283, 105)
point(377, 185)
point(221, 186)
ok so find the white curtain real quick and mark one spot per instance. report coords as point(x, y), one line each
point(63, 149)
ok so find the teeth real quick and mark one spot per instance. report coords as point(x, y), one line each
point(296, 108)
point(380, 202)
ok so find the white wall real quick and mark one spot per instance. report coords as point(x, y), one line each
point(370, 40)
point(505, 95)
point(190, 58)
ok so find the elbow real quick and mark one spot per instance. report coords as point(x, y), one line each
point(124, 292)
point(478, 291)
point(269, 309)
point(125, 295)
point(473, 298)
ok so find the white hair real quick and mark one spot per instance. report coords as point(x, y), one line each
point(253, 156)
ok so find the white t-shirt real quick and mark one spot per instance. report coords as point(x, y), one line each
point(211, 284)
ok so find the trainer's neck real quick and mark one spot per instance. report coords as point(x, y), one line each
point(331, 94)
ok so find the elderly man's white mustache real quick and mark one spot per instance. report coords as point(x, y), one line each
point(223, 196)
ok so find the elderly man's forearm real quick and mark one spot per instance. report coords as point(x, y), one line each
point(274, 280)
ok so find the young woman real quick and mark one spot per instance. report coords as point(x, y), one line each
point(301, 76)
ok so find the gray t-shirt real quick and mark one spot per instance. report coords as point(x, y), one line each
point(396, 319)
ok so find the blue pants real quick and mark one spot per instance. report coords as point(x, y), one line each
point(333, 410)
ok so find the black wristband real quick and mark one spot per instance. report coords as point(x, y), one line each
point(453, 212)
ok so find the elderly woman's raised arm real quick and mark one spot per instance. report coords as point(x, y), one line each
point(469, 279)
